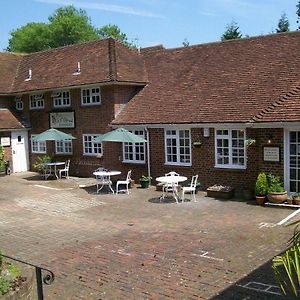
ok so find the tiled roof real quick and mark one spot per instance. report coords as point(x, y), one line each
point(219, 82)
point(9, 120)
point(8, 69)
point(100, 61)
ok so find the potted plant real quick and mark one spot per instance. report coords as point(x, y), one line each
point(296, 198)
point(276, 192)
point(261, 188)
point(145, 181)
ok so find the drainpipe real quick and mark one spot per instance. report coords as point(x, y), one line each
point(148, 153)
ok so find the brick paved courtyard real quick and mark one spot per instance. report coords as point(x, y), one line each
point(102, 246)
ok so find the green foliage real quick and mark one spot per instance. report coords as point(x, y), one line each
point(283, 24)
point(2, 161)
point(70, 26)
point(232, 32)
point(261, 186)
point(286, 267)
point(12, 271)
point(145, 178)
point(66, 26)
point(114, 31)
point(275, 185)
point(39, 163)
point(4, 285)
point(296, 195)
point(29, 38)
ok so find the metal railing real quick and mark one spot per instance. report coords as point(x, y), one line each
point(48, 278)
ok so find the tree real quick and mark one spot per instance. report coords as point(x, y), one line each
point(298, 13)
point(114, 31)
point(29, 38)
point(232, 32)
point(67, 26)
point(70, 26)
point(283, 24)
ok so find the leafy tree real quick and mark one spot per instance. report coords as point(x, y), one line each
point(29, 38)
point(114, 31)
point(283, 24)
point(232, 32)
point(70, 26)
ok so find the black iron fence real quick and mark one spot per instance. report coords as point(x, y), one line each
point(47, 278)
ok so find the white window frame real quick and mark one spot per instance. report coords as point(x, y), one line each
point(230, 165)
point(39, 145)
point(61, 96)
point(134, 146)
point(37, 100)
point(89, 98)
point(66, 144)
point(19, 105)
point(93, 153)
point(166, 136)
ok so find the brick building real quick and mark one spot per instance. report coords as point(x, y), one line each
point(198, 106)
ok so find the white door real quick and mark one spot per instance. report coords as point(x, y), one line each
point(19, 143)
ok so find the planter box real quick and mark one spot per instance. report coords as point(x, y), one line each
point(220, 194)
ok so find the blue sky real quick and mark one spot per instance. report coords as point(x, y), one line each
point(153, 22)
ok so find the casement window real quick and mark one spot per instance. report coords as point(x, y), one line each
point(19, 102)
point(134, 152)
point(230, 150)
point(63, 147)
point(36, 101)
point(90, 147)
point(90, 96)
point(178, 147)
point(61, 98)
point(37, 147)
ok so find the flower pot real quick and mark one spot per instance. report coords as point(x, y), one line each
point(144, 184)
point(277, 197)
point(289, 201)
point(296, 201)
point(261, 200)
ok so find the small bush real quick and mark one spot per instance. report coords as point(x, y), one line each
point(275, 185)
point(39, 163)
point(261, 186)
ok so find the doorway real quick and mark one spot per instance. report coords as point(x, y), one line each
point(19, 143)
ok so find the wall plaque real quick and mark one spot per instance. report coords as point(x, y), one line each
point(271, 154)
point(62, 119)
point(5, 141)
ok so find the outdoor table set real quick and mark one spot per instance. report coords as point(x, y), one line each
point(103, 178)
point(51, 168)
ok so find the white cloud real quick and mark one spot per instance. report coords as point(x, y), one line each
point(106, 7)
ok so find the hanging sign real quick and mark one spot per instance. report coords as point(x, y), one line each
point(271, 154)
point(5, 141)
point(62, 119)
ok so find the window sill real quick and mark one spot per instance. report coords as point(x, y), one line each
point(63, 153)
point(91, 104)
point(178, 164)
point(133, 162)
point(35, 108)
point(230, 167)
point(91, 155)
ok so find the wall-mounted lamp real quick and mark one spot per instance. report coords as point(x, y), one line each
point(270, 138)
point(206, 132)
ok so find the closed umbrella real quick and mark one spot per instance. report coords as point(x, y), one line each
point(120, 135)
point(52, 135)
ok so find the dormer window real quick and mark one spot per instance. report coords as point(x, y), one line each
point(18, 102)
point(61, 98)
point(36, 101)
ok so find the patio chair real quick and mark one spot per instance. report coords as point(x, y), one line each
point(124, 182)
point(65, 170)
point(103, 180)
point(169, 187)
point(190, 189)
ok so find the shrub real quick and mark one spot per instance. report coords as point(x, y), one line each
point(275, 185)
point(39, 163)
point(261, 186)
point(2, 161)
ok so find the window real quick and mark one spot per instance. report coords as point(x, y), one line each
point(90, 96)
point(37, 147)
point(134, 152)
point(19, 103)
point(36, 101)
point(61, 98)
point(178, 147)
point(63, 147)
point(230, 148)
point(90, 147)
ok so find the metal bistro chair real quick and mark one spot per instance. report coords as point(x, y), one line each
point(167, 187)
point(102, 180)
point(65, 170)
point(190, 189)
point(124, 182)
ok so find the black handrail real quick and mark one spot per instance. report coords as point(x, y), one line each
point(47, 279)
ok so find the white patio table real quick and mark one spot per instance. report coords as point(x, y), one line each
point(107, 174)
point(173, 181)
point(49, 165)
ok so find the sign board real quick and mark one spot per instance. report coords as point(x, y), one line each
point(5, 141)
point(271, 154)
point(62, 119)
